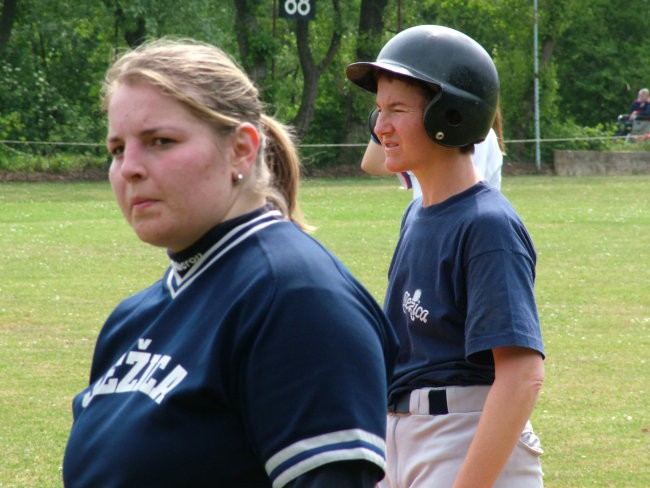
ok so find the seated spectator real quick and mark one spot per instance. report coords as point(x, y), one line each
point(640, 108)
point(640, 116)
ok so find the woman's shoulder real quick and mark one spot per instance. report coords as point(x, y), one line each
point(294, 252)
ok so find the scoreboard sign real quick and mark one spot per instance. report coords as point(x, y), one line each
point(298, 9)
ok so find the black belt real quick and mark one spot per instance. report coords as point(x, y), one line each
point(437, 403)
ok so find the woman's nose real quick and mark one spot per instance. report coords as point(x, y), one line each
point(382, 124)
point(132, 165)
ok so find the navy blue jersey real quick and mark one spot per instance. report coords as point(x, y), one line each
point(256, 359)
point(460, 284)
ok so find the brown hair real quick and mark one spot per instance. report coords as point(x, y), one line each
point(214, 88)
point(497, 126)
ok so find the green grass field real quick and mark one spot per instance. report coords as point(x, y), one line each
point(69, 258)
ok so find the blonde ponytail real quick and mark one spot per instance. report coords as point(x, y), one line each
point(282, 160)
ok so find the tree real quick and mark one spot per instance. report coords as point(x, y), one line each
point(601, 60)
point(311, 69)
point(370, 33)
point(53, 55)
point(6, 22)
point(371, 28)
point(256, 44)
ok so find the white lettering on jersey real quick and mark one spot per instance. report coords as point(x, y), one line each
point(167, 384)
point(188, 263)
point(412, 307)
point(139, 360)
point(145, 383)
point(140, 377)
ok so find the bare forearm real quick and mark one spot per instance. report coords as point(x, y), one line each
point(507, 409)
point(373, 160)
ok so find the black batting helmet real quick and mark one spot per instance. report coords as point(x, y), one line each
point(463, 109)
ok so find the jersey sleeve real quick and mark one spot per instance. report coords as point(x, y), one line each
point(501, 306)
point(314, 384)
point(353, 474)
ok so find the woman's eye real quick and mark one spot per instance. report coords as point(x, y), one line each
point(161, 141)
point(116, 150)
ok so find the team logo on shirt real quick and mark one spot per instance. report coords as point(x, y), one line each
point(411, 306)
point(138, 371)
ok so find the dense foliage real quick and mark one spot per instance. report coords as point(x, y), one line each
point(53, 55)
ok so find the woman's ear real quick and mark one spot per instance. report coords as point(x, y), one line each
point(246, 144)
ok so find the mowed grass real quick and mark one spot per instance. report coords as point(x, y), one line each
point(69, 258)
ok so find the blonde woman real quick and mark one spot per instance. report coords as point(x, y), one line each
point(257, 360)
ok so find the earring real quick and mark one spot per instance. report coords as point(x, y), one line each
point(237, 178)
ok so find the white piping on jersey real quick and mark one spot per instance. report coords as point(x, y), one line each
point(327, 449)
point(177, 283)
point(197, 264)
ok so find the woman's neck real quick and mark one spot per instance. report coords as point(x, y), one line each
point(446, 176)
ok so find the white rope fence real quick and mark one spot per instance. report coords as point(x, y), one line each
point(362, 144)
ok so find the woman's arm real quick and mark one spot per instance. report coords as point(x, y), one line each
point(519, 374)
point(373, 160)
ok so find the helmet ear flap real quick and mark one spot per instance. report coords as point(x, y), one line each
point(372, 121)
point(450, 116)
point(433, 122)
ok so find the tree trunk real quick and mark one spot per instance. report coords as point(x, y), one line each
point(311, 71)
point(371, 27)
point(6, 23)
point(246, 26)
point(136, 36)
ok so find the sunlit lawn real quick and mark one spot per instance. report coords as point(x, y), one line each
point(69, 257)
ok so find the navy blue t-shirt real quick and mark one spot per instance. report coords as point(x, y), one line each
point(460, 284)
point(256, 359)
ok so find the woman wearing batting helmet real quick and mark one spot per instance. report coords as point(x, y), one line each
point(460, 285)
